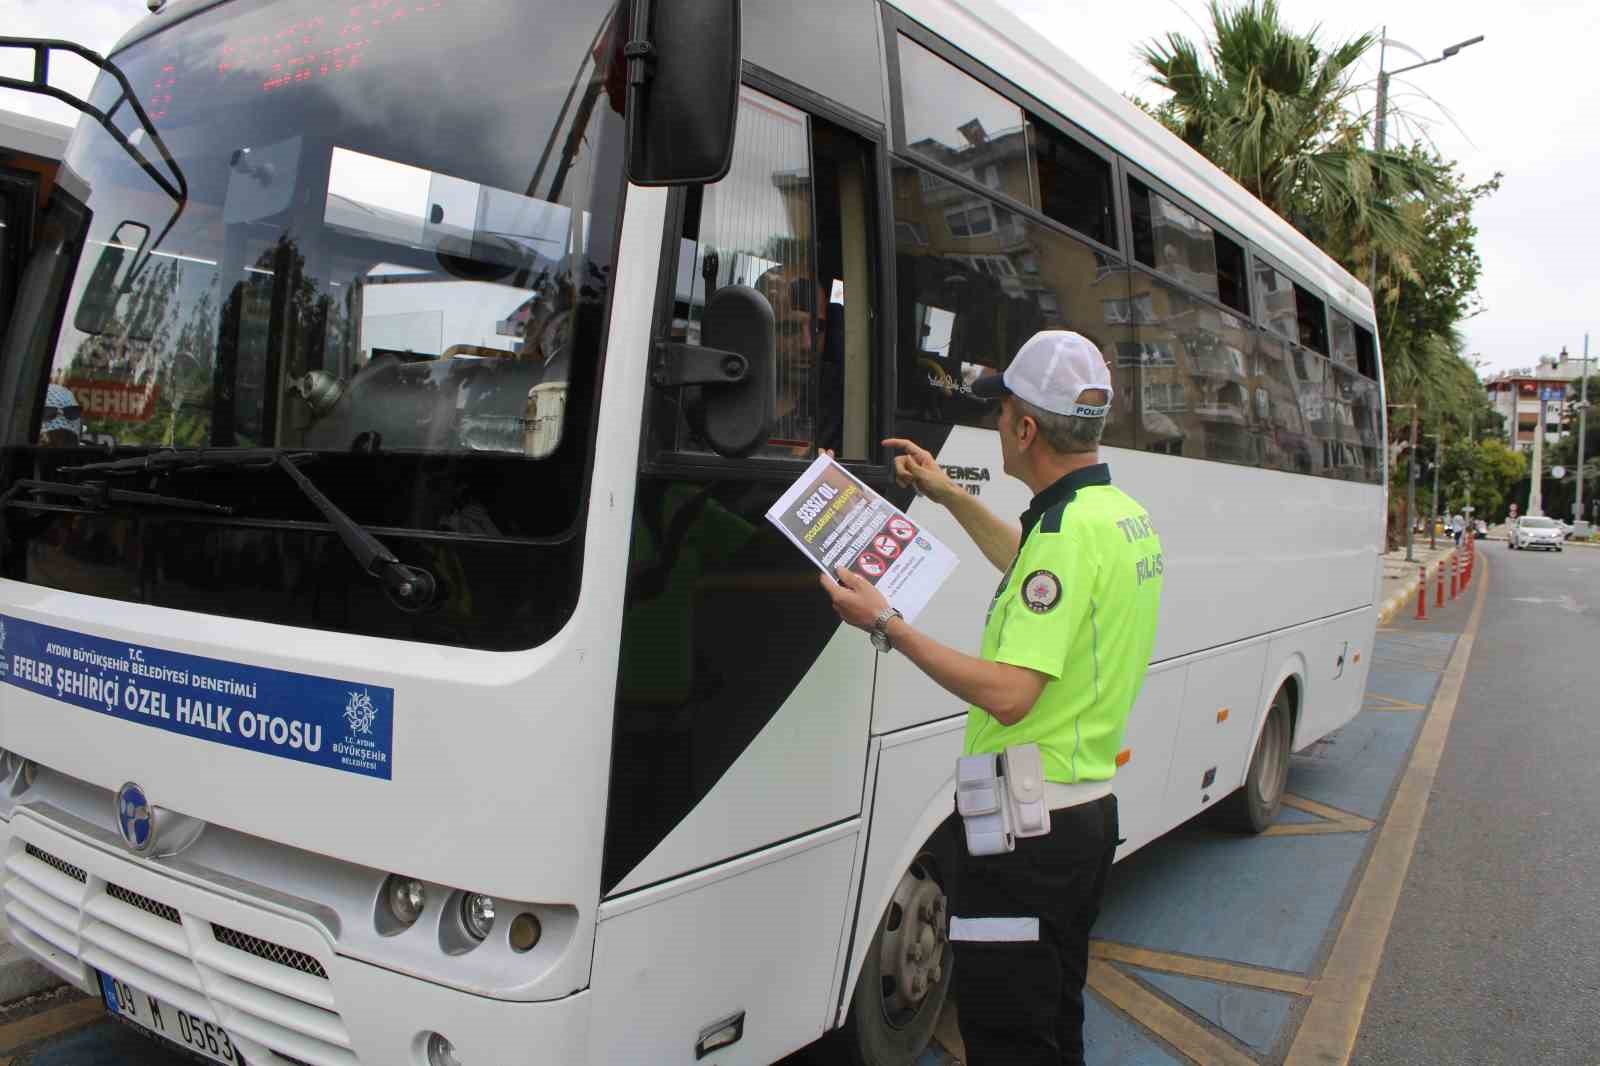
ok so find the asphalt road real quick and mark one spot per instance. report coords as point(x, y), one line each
point(1492, 955)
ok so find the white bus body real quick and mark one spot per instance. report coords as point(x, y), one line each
point(710, 824)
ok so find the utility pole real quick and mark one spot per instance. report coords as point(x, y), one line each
point(1583, 425)
point(1438, 460)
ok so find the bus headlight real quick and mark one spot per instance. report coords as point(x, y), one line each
point(406, 897)
point(477, 914)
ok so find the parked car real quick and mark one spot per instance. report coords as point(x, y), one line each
point(1536, 531)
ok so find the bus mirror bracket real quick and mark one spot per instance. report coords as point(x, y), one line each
point(683, 65)
point(730, 398)
point(690, 364)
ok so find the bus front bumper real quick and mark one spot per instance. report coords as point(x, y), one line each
point(272, 980)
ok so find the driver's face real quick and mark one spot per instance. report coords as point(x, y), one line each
point(795, 326)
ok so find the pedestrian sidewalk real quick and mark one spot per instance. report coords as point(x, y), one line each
point(20, 975)
point(1400, 577)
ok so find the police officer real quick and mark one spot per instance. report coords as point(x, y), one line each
point(1066, 642)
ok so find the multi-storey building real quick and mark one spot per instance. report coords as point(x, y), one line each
point(1516, 395)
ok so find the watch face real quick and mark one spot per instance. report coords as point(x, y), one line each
point(880, 640)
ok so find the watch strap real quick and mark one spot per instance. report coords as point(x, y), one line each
point(880, 628)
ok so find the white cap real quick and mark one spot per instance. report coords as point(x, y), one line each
point(1051, 371)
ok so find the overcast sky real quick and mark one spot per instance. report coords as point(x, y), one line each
point(1523, 102)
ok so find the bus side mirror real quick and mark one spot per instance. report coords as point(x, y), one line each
point(683, 90)
point(736, 417)
point(105, 287)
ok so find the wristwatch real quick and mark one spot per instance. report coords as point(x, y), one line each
point(880, 628)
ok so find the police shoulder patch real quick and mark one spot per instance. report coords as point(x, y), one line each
point(1041, 591)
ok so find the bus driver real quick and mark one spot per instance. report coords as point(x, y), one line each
point(1066, 644)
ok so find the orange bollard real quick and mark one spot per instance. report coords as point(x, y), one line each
point(1422, 593)
point(1454, 575)
point(1438, 596)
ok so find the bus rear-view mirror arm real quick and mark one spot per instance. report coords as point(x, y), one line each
point(176, 186)
point(729, 383)
point(683, 64)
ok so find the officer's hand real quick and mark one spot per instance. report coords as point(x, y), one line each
point(855, 599)
point(916, 469)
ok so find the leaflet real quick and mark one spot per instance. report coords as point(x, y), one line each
point(836, 521)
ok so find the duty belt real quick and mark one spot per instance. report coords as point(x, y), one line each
point(1058, 794)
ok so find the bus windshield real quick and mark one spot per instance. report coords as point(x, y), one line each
point(394, 253)
point(389, 241)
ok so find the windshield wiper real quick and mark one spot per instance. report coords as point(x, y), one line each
point(410, 587)
point(100, 495)
point(190, 459)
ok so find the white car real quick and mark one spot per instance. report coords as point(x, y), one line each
point(1532, 531)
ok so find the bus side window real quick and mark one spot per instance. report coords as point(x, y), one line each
point(793, 219)
point(976, 279)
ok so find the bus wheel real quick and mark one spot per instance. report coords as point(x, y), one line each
point(906, 975)
point(1253, 807)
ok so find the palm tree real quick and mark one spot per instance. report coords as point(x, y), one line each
point(1274, 109)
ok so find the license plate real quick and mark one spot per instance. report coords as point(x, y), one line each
point(204, 1038)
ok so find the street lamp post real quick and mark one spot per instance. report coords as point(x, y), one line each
point(1381, 120)
point(1438, 461)
point(1411, 479)
point(1583, 425)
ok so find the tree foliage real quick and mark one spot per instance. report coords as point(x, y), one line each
point(1275, 109)
point(1481, 473)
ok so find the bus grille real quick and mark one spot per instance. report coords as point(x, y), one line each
point(144, 903)
point(65, 867)
point(267, 994)
point(265, 949)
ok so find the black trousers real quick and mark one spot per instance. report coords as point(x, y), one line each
point(1019, 997)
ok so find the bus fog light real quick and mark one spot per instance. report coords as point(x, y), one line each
point(525, 932)
point(477, 914)
point(406, 897)
point(30, 770)
point(441, 1052)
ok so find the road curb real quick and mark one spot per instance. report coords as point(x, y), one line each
point(1331, 1025)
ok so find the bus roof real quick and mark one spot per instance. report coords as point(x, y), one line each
point(998, 38)
point(33, 136)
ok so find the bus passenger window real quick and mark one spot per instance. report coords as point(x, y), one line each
point(792, 219)
point(966, 301)
point(1313, 320)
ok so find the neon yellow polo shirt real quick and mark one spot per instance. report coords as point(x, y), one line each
point(1078, 605)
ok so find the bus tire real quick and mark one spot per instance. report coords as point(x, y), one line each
point(1252, 808)
point(906, 975)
